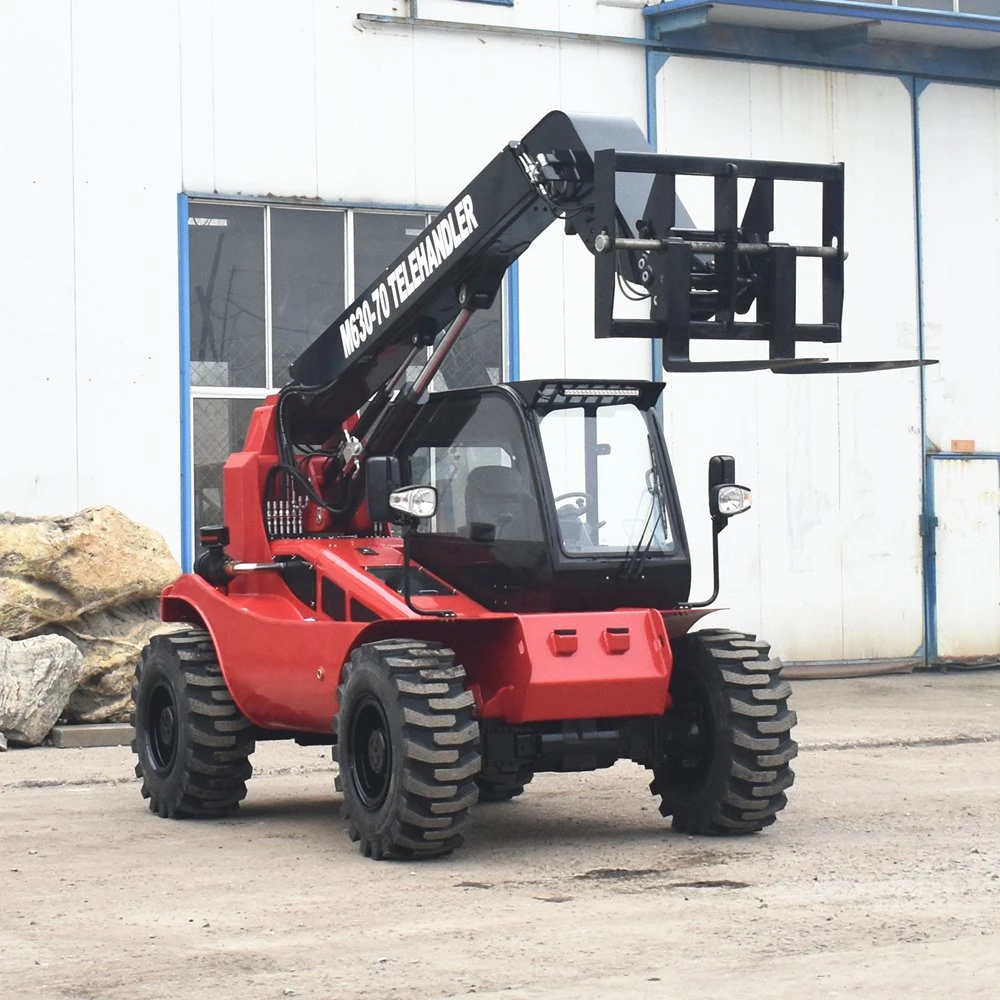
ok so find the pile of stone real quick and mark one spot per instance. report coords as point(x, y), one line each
point(78, 601)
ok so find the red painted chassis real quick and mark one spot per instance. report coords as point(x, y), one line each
point(281, 658)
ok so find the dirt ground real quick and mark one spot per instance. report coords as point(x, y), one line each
point(881, 879)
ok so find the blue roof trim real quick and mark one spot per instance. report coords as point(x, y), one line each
point(947, 61)
point(290, 201)
point(846, 8)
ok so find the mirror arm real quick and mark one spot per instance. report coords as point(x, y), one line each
point(408, 530)
point(719, 521)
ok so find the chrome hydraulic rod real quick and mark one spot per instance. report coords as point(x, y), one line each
point(233, 568)
point(439, 353)
point(372, 412)
point(605, 244)
point(398, 409)
point(354, 445)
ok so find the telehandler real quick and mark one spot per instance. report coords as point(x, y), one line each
point(459, 589)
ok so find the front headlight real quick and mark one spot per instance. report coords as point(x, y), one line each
point(732, 500)
point(417, 501)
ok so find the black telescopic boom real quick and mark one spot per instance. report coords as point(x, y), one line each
point(469, 246)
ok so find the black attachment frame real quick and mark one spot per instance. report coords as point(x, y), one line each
point(698, 281)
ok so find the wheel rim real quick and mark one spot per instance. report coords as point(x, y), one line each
point(694, 738)
point(370, 748)
point(161, 728)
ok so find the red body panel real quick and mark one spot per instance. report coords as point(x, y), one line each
point(243, 485)
point(282, 660)
point(281, 657)
point(542, 679)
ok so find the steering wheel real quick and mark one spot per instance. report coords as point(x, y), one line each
point(584, 502)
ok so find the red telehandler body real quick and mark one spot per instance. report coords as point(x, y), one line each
point(459, 589)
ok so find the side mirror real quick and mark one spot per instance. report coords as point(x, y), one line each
point(381, 478)
point(721, 470)
point(725, 499)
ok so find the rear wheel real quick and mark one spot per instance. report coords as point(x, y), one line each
point(408, 749)
point(730, 736)
point(496, 786)
point(192, 743)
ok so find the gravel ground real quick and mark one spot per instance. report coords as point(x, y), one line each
point(881, 879)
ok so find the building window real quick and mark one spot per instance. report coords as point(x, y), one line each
point(264, 280)
point(991, 8)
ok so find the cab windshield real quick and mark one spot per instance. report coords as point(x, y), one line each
point(606, 481)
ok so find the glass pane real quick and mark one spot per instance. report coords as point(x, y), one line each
point(475, 454)
point(220, 427)
point(227, 294)
point(928, 4)
point(605, 481)
point(477, 358)
point(307, 280)
point(990, 7)
point(379, 238)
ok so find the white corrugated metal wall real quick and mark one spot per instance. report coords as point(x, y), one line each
point(88, 314)
point(830, 564)
point(121, 106)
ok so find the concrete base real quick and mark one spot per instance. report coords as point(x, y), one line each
point(113, 734)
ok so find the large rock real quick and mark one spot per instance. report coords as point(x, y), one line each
point(37, 676)
point(111, 642)
point(55, 569)
point(91, 579)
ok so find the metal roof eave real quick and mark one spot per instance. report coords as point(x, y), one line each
point(857, 9)
point(833, 34)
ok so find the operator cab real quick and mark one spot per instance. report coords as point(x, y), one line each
point(551, 496)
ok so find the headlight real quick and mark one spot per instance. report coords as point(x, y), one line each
point(733, 500)
point(417, 501)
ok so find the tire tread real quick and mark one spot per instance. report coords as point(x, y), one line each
point(440, 751)
point(213, 775)
point(754, 736)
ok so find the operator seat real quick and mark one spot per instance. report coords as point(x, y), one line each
point(498, 507)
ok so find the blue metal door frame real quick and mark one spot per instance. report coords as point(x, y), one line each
point(184, 319)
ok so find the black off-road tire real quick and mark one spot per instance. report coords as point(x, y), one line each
point(408, 749)
point(497, 787)
point(730, 766)
point(192, 743)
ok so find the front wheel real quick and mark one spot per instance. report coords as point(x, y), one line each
point(730, 736)
point(408, 749)
point(192, 743)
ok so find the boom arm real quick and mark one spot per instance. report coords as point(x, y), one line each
point(457, 263)
point(599, 174)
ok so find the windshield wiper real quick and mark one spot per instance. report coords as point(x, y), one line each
point(636, 558)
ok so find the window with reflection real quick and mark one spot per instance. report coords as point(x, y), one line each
point(607, 490)
point(264, 281)
point(474, 453)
